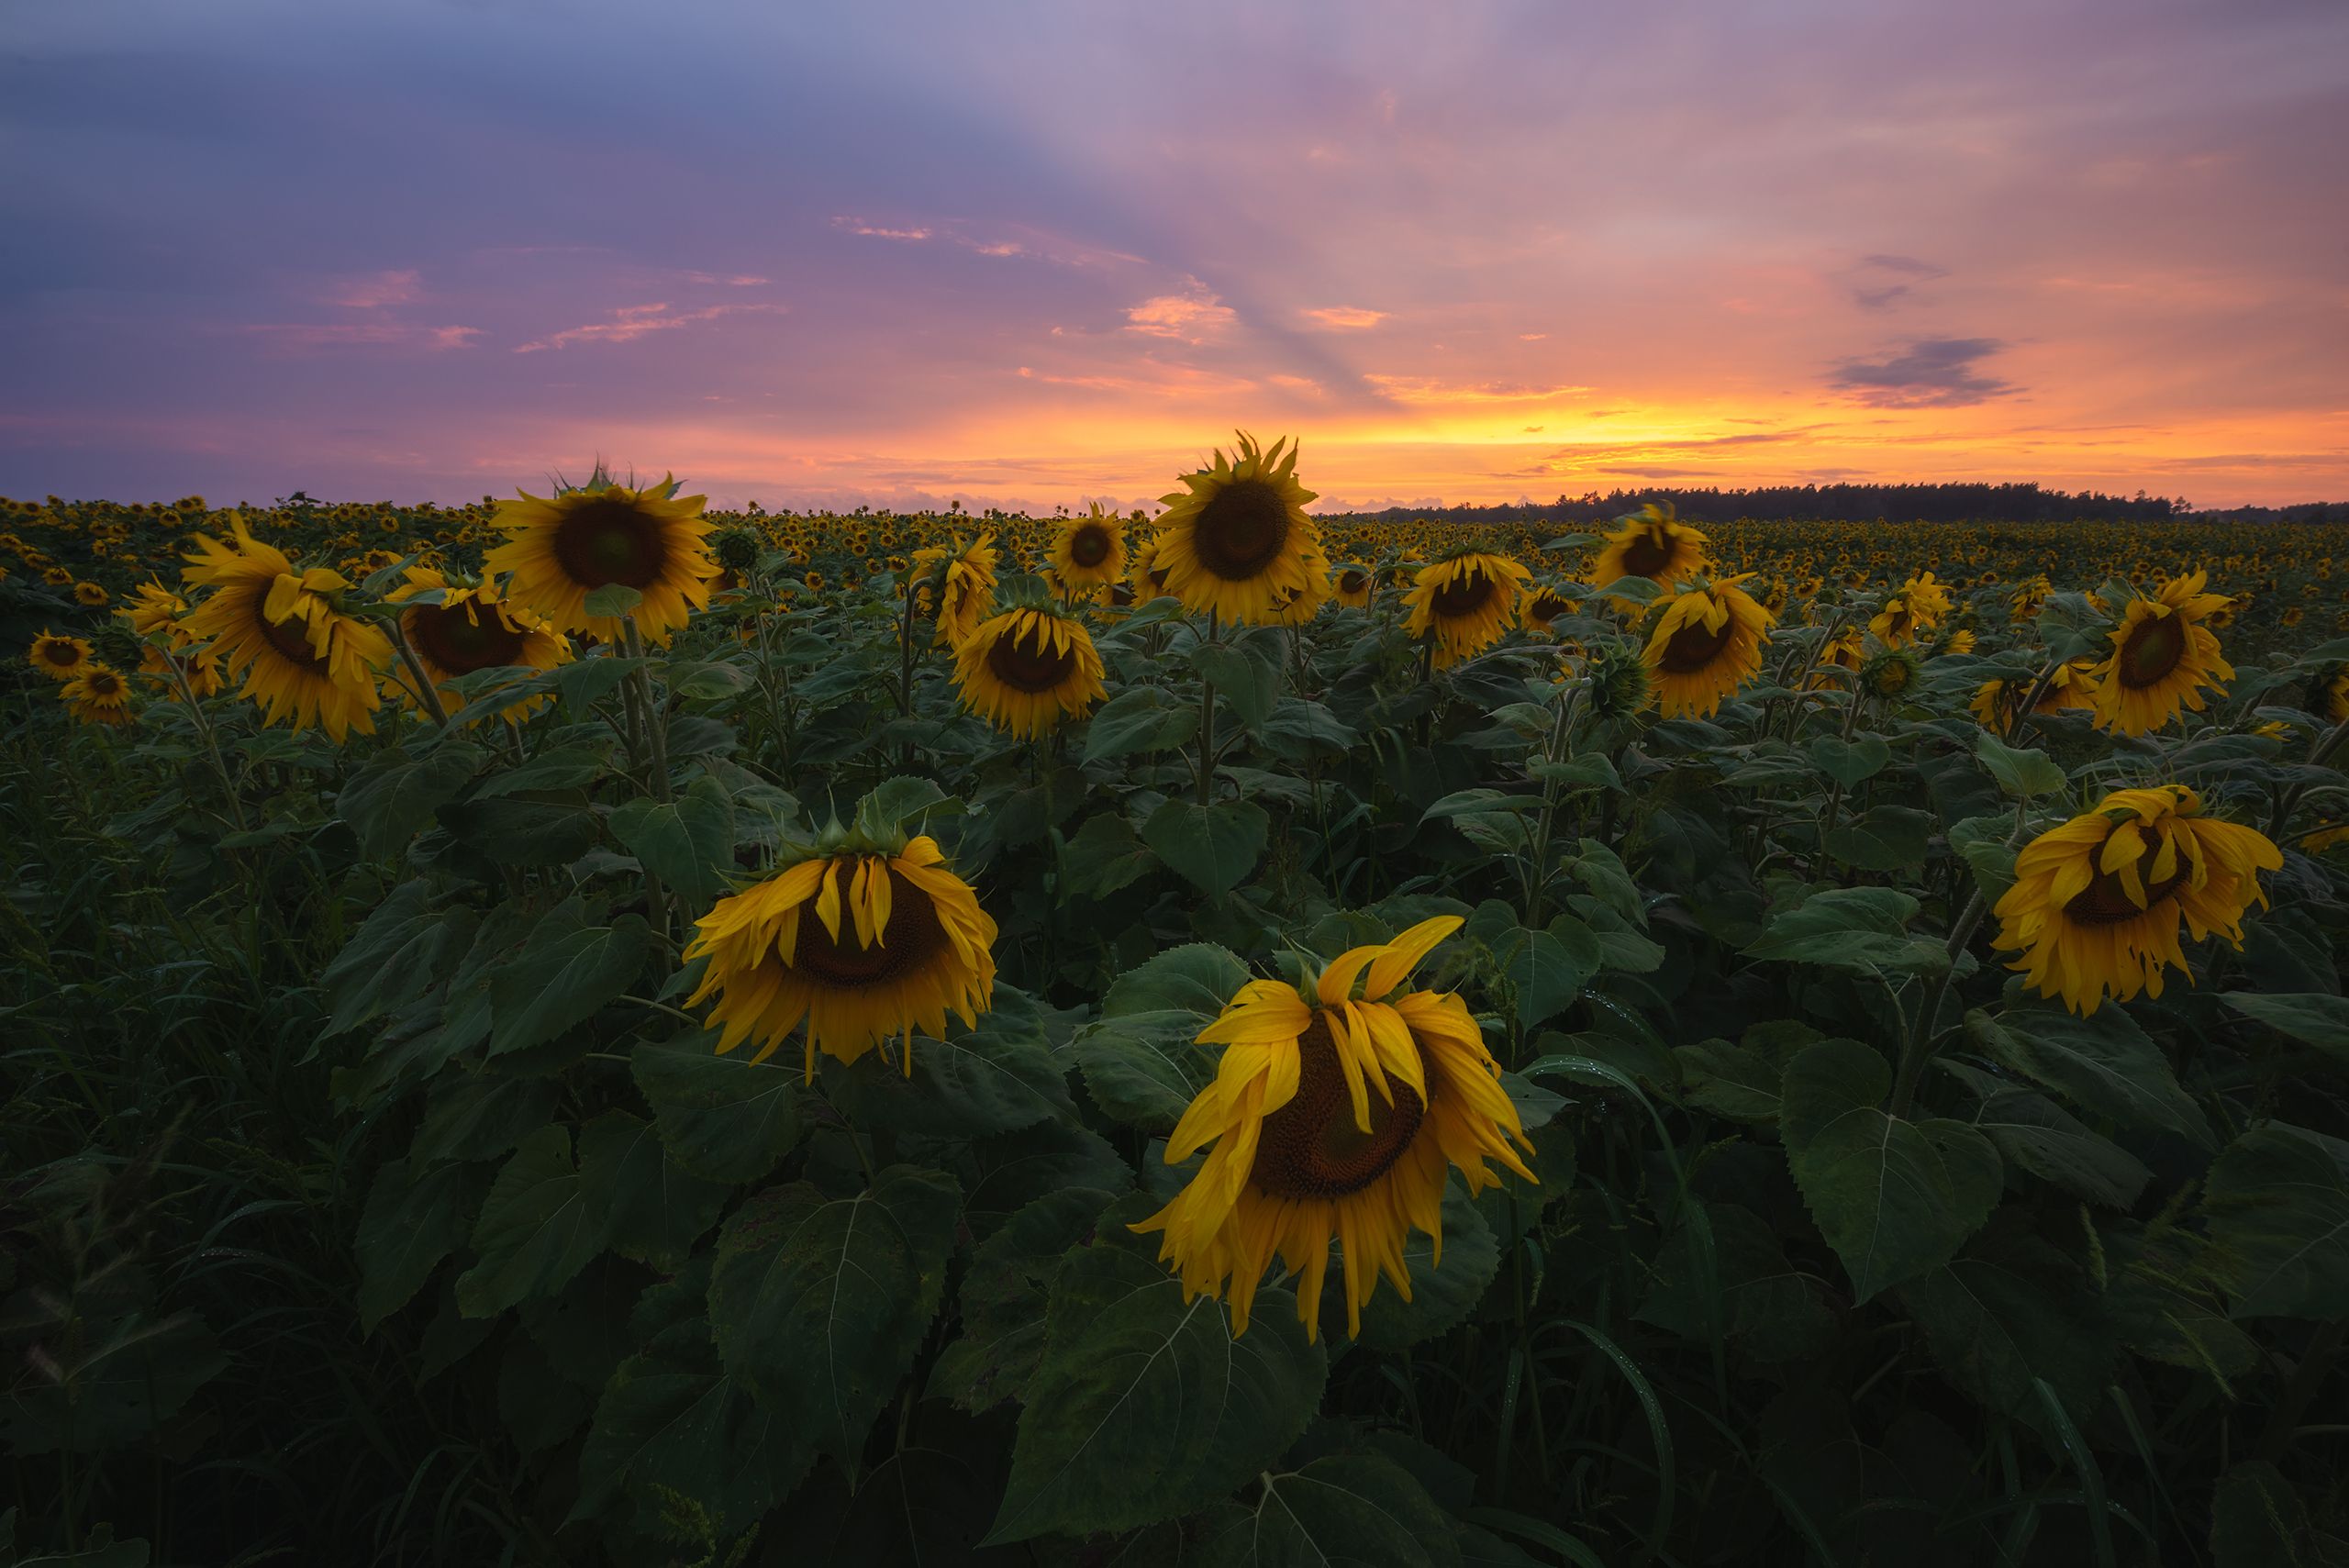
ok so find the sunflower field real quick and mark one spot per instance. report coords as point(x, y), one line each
point(588, 1030)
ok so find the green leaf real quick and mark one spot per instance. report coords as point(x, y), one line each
point(1730, 1081)
point(393, 798)
point(1103, 856)
point(1981, 842)
point(1247, 675)
point(1602, 870)
point(1212, 847)
point(536, 1232)
point(1547, 975)
point(1861, 929)
point(513, 831)
point(652, 1210)
point(1773, 1312)
point(2023, 774)
point(1850, 762)
point(1145, 1407)
point(885, 809)
point(1146, 718)
point(2104, 1063)
point(687, 842)
point(1142, 1059)
point(820, 1306)
point(2011, 1311)
point(1357, 1509)
point(477, 1116)
point(1884, 838)
point(2260, 1520)
point(563, 767)
point(998, 1076)
point(613, 599)
point(2035, 1133)
point(1894, 1198)
point(2277, 1204)
point(1199, 978)
point(1002, 1300)
point(562, 977)
point(398, 952)
point(1441, 1296)
point(410, 1225)
point(1016, 1168)
point(2313, 1018)
point(585, 682)
point(724, 1118)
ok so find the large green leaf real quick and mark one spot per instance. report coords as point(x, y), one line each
point(1863, 929)
point(2104, 1063)
point(1356, 1510)
point(2023, 774)
point(1893, 1198)
point(687, 842)
point(1772, 1310)
point(393, 798)
point(410, 1225)
point(1145, 1406)
point(536, 1230)
point(524, 831)
point(1103, 856)
point(1199, 978)
point(2035, 1133)
point(2278, 1203)
point(1885, 837)
point(562, 977)
point(2013, 1310)
point(2260, 1520)
point(725, 1118)
point(1142, 1059)
point(820, 1305)
point(653, 1211)
point(1211, 847)
point(1146, 718)
point(1246, 672)
point(1849, 762)
point(401, 949)
point(997, 1076)
point(1003, 1296)
point(2313, 1018)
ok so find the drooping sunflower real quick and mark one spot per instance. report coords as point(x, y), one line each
point(1334, 1114)
point(59, 657)
point(1235, 541)
point(1089, 553)
point(2336, 695)
point(2161, 659)
point(1027, 669)
point(1144, 576)
point(1841, 656)
point(1704, 644)
point(152, 609)
point(1352, 586)
point(2071, 686)
point(1541, 609)
point(1652, 543)
point(1465, 604)
point(896, 940)
point(90, 595)
point(97, 696)
point(560, 548)
point(1918, 607)
point(962, 579)
point(2096, 902)
point(472, 629)
point(301, 658)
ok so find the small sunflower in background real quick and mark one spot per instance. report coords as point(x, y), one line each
point(57, 577)
point(1652, 543)
point(1917, 609)
point(2096, 904)
point(964, 585)
point(1027, 668)
point(1335, 1112)
point(2070, 687)
point(562, 548)
point(1465, 604)
point(2336, 693)
point(1891, 674)
point(1089, 553)
point(856, 941)
point(1145, 578)
point(472, 629)
point(2163, 659)
point(1541, 609)
point(305, 661)
point(152, 609)
point(1235, 543)
point(1352, 586)
point(97, 696)
point(1842, 655)
point(1703, 644)
point(59, 657)
point(90, 595)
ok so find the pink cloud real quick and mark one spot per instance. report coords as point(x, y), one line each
point(345, 334)
point(375, 290)
point(1346, 317)
point(632, 321)
point(1192, 318)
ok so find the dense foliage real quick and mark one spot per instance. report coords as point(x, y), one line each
point(377, 1191)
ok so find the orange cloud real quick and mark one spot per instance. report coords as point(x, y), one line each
point(1346, 317)
point(1192, 318)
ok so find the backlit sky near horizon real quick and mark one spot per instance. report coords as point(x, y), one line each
point(1028, 255)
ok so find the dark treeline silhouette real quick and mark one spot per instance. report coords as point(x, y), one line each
point(1897, 503)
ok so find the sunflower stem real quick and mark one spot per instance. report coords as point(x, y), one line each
point(1919, 1049)
point(427, 692)
point(2293, 794)
point(2030, 702)
point(1207, 724)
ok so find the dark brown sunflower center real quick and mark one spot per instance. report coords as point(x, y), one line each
point(1089, 546)
point(912, 936)
point(1353, 582)
point(452, 641)
point(1311, 1147)
point(1240, 532)
point(1648, 554)
point(2152, 651)
point(1120, 594)
point(103, 685)
point(605, 541)
point(1692, 648)
point(1029, 663)
point(2105, 902)
point(289, 637)
point(1547, 606)
point(1463, 596)
point(64, 655)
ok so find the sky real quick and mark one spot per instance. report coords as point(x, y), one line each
point(1033, 255)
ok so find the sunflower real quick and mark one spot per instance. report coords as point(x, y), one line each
point(152, 609)
point(2162, 658)
point(1891, 674)
point(1334, 1114)
point(898, 940)
point(1352, 586)
point(1465, 604)
point(59, 657)
point(1235, 541)
point(562, 548)
point(1652, 543)
point(1542, 608)
point(1703, 645)
point(90, 595)
point(1027, 668)
point(1918, 606)
point(2071, 686)
point(1844, 653)
point(964, 583)
point(1089, 553)
point(197, 667)
point(1145, 578)
point(2096, 903)
point(97, 696)
point(2336, 695)
point(470, 629)
point(302, 659)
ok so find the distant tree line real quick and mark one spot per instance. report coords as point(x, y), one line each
point(1959, 503)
